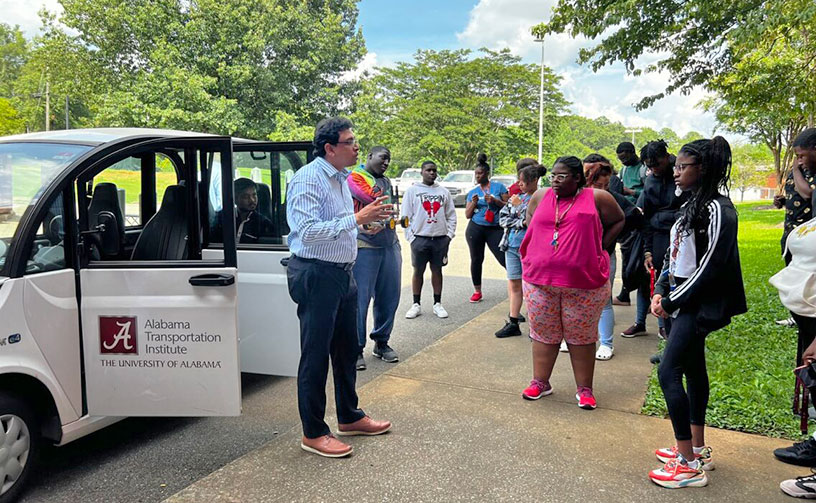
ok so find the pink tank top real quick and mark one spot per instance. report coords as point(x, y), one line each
point(579, 260)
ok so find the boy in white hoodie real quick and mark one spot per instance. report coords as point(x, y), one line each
point(429, 207)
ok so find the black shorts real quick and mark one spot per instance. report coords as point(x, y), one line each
point(433, 250)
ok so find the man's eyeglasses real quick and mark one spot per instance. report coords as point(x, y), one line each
point(352, 142)
point(679, 168)
point(560, 177)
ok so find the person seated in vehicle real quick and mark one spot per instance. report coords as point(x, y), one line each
point(250, 226)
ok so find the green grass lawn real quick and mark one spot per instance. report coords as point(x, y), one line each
point(131, 181)
point(750, 362)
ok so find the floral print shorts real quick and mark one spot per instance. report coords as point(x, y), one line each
point(570, 314)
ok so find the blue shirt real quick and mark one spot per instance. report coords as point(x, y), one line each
point(495, 188)
point(320, 214)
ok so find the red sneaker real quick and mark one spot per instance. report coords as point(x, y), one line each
point(536, 390)
point(667, 454)
point(476, 297)
point(677, 473)
point(586, 400)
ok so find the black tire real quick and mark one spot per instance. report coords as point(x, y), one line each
point(12, 407)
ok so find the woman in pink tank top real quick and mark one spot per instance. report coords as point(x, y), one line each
point(566, 274)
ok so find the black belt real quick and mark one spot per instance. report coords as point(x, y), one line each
point(346, 266)
point(431, 237)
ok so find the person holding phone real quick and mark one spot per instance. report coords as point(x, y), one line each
point(484, 201)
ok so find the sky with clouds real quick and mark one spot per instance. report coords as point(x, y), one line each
point(395, 30)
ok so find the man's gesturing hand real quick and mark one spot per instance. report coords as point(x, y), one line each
point(375, 211)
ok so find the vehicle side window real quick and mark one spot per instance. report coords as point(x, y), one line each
point(48, 248)
point(259, 191)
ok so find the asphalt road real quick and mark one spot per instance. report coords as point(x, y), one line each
point(149, 459)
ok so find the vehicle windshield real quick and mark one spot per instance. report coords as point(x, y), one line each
point(459, 177)
point(411, 175)
point(26, 170)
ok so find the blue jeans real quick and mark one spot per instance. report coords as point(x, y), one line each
point(606, 324)
point(378, 275)
point(643, 305)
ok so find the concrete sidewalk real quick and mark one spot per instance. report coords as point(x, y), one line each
point(462, 433)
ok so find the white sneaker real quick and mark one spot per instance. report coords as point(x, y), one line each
point(439, 311)
point(787, 322)
point(415, 311)
point(564, 348)
point(604, 353)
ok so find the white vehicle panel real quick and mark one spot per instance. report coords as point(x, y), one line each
point(157, 346)
point(52, 315)
point(25, 357)
point(267, 317)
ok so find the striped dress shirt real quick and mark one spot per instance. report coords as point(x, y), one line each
point(320, 214)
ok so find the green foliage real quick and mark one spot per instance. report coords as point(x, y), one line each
point(10, 120)
point(750, 362)
point(449, 106)
point(13, 54)
point(692, 40)
point(751, 166)
point(221, 66)
point(287, 128)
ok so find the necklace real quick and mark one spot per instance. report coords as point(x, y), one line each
point(559, 217)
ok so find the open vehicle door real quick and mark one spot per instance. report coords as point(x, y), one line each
point(267, 316)
point(159, 322)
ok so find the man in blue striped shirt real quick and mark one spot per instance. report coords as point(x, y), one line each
point(323, 241)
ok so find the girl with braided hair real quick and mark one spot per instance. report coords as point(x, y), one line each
point(699, 289)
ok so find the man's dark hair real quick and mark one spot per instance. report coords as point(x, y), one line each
point(625, 146)
point(327, 131)
point(653, 151)
point(378, 149)
point(242, 184)
point(806, 139)
point(575, 166)
point(425, 163)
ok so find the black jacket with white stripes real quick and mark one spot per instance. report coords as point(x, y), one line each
point(715, 289)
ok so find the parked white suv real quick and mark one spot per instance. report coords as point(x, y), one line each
point(459, 184)
point(408, 178)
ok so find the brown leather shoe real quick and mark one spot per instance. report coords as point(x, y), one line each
point(364, 426)
point(326, 446)
point(617, 302)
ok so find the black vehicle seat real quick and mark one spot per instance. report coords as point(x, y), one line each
point(264, 200)
point(106, 198)
point(164, 237)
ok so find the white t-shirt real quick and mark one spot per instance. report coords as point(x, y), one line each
point(683, 252)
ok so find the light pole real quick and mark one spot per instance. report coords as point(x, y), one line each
point(633, 131)
point(541, 103)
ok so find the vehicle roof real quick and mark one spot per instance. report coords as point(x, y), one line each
point(461, 171)
point(99, 136)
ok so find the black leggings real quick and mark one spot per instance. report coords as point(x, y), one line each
point(684, 355)
point(807, 332)
point(477, 236)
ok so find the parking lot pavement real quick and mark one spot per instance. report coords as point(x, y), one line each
point(462, 433)
point(149, 459)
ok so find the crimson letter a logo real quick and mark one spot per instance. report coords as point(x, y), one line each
point(117, 335)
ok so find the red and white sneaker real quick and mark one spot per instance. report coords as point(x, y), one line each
point(586, 400)
point(677, 474)
point(667, 454)
point(536, 390)
point(476, 297)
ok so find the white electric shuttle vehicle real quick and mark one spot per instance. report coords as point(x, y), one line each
point(119, 281)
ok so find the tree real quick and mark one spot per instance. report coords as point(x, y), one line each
point(221, 66)
point(10, 120)
point(449, 106)
point(13, 54)
point(287, 128)
point(692, 40)
point(751, 166)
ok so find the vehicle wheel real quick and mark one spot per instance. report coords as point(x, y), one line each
point(20, 443)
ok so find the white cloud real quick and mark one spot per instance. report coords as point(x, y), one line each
point(24, 13)
point(609, 92)
point(367, 64)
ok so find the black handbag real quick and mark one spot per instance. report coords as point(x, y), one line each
point(633, 272)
